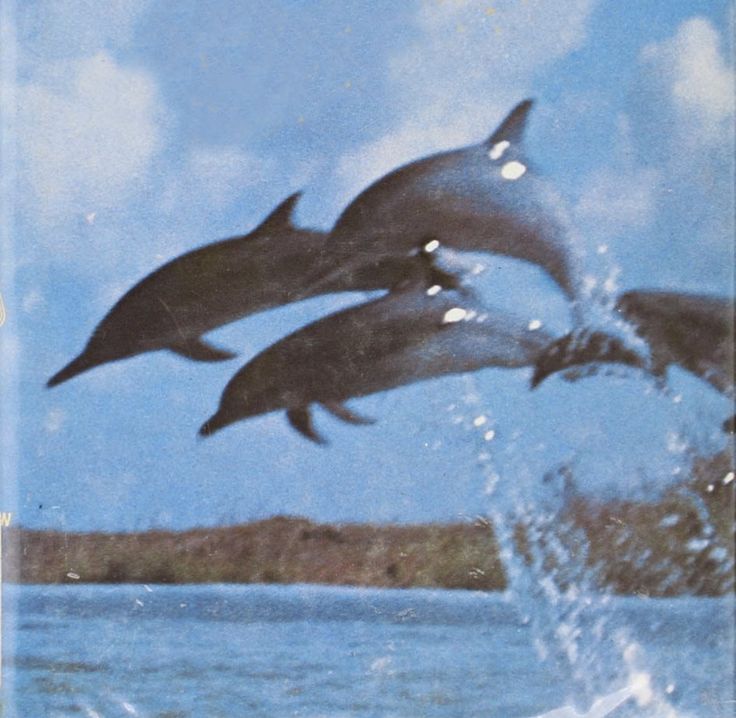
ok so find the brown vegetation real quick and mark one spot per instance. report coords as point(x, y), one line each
point(680, 544)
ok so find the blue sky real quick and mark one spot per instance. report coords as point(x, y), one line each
point(145, 129)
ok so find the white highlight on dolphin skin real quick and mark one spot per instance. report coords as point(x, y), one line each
point(534, 324)
point(434, 289)
point(513, 170)
point(456, 314)
point(432, 246)
point(496, 152)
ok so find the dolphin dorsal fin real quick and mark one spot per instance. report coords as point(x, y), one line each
point(281, 218)
point(511, 130)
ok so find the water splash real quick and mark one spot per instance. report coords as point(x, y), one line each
point(555, 584)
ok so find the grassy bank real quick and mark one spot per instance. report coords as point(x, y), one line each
point(277, 550)
point(681, 544)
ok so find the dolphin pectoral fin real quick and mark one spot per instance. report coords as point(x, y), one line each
point(347, 415)
point(301, 419)
point(281, 219)
point(512, 128)
point(200, 350)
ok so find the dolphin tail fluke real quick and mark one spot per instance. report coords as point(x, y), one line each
point(347, 415)
point(574, 350)
point(301, 419)
point(200, 350)
point(511, 130)
point(281, 218)
point(74, 367)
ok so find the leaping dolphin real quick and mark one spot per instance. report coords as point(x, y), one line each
point(420, 331)
point(210, 286)
point(693, 331)
point(484, 197)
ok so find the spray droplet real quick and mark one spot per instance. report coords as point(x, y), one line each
point(496, 152)
point(434, 289)
point(513, 170)
point(456, 314)
point(534, 324)
point(432, 246)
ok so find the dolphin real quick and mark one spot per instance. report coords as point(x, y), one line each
point(483, 197)
point(418, 331)
point(210, 286)
point(692, 331)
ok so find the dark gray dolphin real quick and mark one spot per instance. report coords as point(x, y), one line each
point(693, 331)
point(416, 332)
point(203, 289)
point(484, 197)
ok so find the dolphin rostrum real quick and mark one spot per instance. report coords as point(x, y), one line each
point(416, 332)
point(693, 331)
point(483, 197)
point(210, 286)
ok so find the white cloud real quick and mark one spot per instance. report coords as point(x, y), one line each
point(215, 177)
point(468, 66)
point(698, 79)
point(55, 419)
point(87, 139)
point(671, 177)
point(615, 200)
point(33, 300)
point(74, 28)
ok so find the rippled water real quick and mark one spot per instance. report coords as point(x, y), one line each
point(251, 650)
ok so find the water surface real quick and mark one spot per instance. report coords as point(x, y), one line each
point(252, 650)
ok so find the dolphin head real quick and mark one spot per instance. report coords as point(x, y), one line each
point(232, 410)
point(576, 350)
point(269, 382)
point(234, 406)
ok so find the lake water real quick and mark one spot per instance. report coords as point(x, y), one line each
point(251, 650)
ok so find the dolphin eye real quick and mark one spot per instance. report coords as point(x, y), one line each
point(496, 152)
point(513, 170)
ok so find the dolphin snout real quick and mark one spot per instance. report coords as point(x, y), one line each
point(216, 422)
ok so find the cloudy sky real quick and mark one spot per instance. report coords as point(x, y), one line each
point(143, 129)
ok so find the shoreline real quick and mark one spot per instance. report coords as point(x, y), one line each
point(682, 544)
